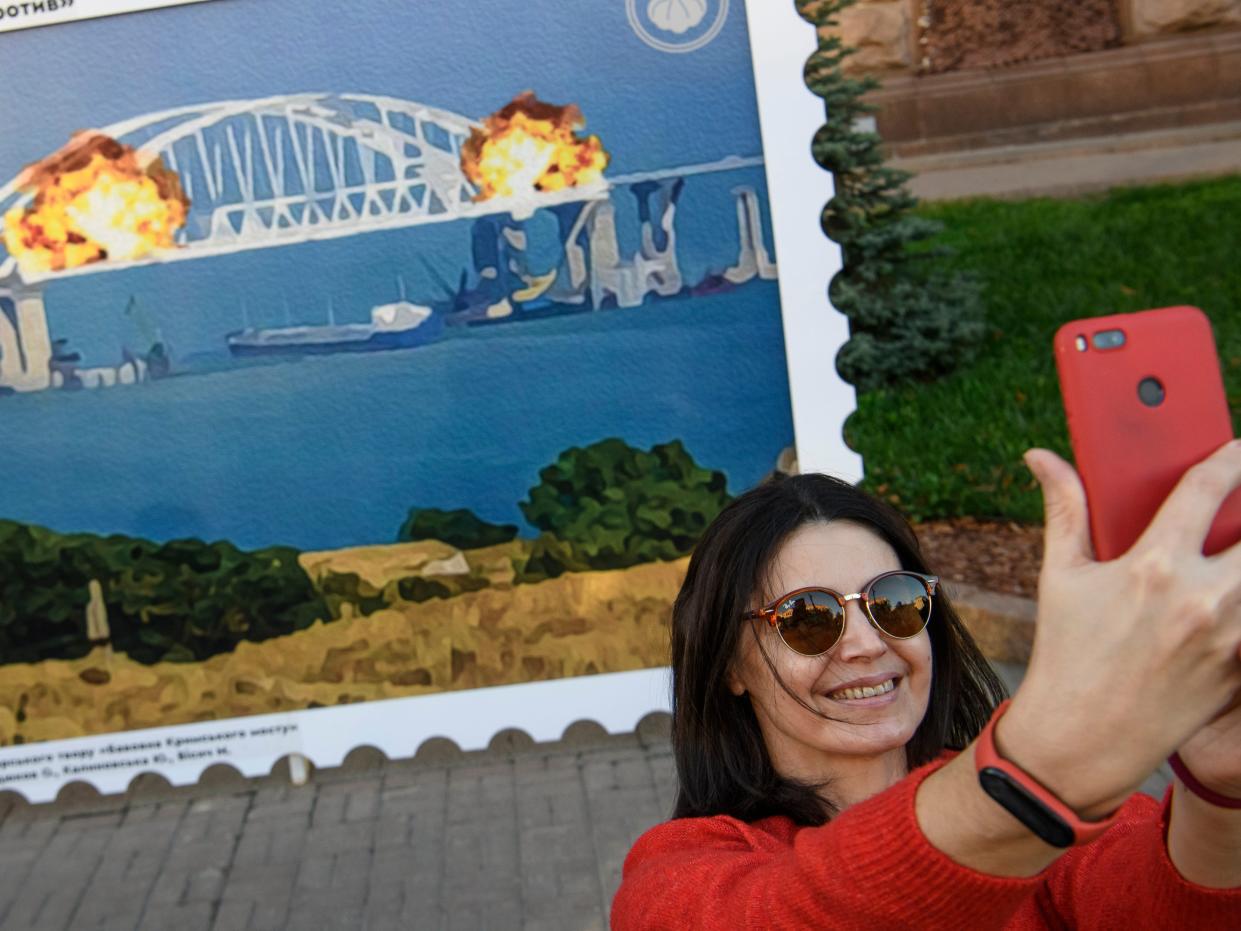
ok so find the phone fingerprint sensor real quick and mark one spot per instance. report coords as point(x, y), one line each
point(1150, 392)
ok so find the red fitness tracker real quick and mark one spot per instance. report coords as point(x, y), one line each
point(1028, 801)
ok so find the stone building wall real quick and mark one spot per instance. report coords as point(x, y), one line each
point(929, 36)
point(1154, 17)
point(963, 34)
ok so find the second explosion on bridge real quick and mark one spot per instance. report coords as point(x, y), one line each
point(530, 146)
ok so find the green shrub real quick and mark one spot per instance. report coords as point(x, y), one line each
point(341, 588)
point(181, 601)
point(610, 505)
point(460, 528)
point(43, 593)
point(548, 558)
point(348, 588)
point(416, 588)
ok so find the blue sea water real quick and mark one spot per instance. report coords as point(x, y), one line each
point(332, 451)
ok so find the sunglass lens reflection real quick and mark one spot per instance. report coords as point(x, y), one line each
point(811, 622)
point(900, 605)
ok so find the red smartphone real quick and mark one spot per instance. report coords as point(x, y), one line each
point(1145, 401)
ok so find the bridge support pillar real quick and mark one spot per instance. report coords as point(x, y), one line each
point(573, 279)
point(654, 268)
point(657, 208)
point(753, 258)
point(25, 343)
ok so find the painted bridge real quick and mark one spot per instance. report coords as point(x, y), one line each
point(284, 170)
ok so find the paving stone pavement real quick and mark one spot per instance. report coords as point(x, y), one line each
point(517, 836)
point(520, 836)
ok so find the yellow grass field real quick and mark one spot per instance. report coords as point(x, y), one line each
point(578, 624)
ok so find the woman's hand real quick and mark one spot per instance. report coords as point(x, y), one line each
point(1134, 656)
point(1131, 659)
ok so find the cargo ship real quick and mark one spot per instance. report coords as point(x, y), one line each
point(401, 325)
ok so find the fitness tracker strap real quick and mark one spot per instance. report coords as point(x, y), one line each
point(1028, 801)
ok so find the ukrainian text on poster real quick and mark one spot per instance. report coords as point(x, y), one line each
point(163, 750)
point(26, 14)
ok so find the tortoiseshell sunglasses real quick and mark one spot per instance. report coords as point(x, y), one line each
point(811, 621)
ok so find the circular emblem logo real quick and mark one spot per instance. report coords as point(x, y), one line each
point(677, 25)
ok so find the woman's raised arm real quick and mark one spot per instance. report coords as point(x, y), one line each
point(1131, 658)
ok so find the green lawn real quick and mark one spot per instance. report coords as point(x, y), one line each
point(953, 447)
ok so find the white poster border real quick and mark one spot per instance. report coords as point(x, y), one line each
point(252, 745)
point(798, 189)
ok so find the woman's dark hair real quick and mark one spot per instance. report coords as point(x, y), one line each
point(722, 763)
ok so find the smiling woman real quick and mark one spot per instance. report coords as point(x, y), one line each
point(788, 729)
point(844, 758)
point(866, 692)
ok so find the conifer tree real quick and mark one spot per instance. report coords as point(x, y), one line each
point(909, 318)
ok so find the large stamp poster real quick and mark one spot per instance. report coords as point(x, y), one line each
point(367, 372)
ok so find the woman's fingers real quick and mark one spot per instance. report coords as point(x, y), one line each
point(1066, 533)
point(1184, 519)
point(1229, 561)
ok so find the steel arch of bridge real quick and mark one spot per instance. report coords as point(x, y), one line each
point(287, 169)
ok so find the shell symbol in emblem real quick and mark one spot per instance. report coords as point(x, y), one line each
point(676, 16)
point(677, 25)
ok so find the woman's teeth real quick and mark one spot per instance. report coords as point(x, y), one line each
point(868, 691)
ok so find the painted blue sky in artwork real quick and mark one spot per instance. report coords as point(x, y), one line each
point(652, 108)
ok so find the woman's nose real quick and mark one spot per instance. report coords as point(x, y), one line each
point(860, 639)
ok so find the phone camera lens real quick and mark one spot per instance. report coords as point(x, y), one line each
point(1109, 339)
point(1150, 392)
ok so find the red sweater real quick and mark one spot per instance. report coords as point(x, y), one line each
point(871, 867)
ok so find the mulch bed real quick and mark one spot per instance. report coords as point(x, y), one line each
point(995, 555)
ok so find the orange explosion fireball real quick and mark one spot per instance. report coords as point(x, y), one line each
point(94, 199)
point(531, 146)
